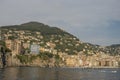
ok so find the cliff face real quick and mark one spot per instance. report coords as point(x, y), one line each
point(37, 61)
point(96, 61)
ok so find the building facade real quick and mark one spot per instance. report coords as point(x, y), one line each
point(14, 46)
point(35, 49)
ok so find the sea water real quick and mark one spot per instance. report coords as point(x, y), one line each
point(37, 73)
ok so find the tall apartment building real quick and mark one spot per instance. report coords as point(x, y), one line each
point(17, 46)
point(0, 34)
point(9, 44)
point(14, 46)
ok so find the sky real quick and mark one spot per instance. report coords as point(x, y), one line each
point(93, 21)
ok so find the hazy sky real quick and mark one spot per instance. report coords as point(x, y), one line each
point(94, 21)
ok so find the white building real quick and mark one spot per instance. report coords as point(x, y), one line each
point(35, 49)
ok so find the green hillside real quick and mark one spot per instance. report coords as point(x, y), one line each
point(36, 26)
point(64, 41)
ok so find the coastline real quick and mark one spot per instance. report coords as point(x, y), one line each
point(64, 67)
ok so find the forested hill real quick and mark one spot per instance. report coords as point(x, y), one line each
point(36, 26)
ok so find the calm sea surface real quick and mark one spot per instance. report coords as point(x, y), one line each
point(36, 73)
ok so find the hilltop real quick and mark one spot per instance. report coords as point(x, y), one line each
point(36, 26)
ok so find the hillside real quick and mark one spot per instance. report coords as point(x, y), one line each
point(62, 40)
point(114, 49)
point(36, 26)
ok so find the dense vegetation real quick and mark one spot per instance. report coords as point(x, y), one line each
point(35, 26)
point(43, 56)
point(2, 44)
